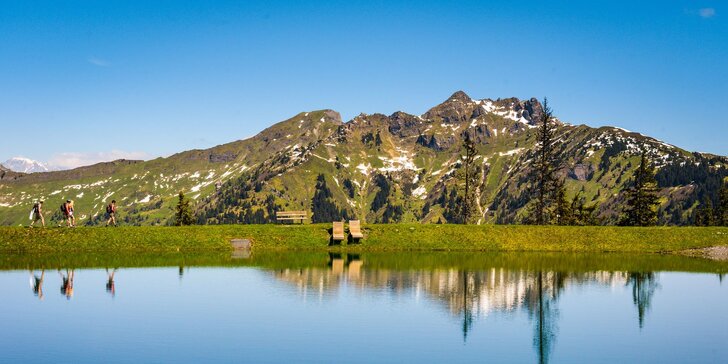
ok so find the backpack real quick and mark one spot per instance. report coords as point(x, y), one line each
point(36, 207)
point(109, 209)
point(64, 208)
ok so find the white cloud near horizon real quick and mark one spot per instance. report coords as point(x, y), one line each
point(706, 13)
point(70, 160)
point(99, 62)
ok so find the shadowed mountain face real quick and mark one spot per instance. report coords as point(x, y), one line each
point(378, 168)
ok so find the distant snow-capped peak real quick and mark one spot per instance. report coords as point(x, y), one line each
point(25, 165)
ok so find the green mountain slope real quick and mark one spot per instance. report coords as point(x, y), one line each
point(378, 168)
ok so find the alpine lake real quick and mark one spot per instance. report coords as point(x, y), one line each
point(338, 307)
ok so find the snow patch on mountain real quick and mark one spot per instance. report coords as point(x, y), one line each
point(399, 163)
point(511, 152)
point(491, 108)
point(420, 192)
point(364, 168)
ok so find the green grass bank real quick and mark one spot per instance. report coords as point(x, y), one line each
point(386, 237)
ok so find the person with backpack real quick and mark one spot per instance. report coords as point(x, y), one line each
point(71, 217)
point(67, 210)
point(64, 213)
point(111, 213)
point(37, 213)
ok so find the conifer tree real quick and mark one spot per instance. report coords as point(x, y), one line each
point(544, 182)
point(183, 213)
point(723, 206)
point(581, 214)
point(562, 211)
point(470, 198)
point(704, 214)
point(323, 207)
point(452, 204)
point(641, 196)
point(574, 212)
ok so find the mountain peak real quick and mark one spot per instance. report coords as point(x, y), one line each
point(460, 96)
point(25, 165)
point(457, 108)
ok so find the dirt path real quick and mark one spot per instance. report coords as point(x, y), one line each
point(714, 253)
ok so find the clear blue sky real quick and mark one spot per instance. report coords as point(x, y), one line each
point(86, 78)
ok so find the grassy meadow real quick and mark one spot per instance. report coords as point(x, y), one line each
point(384, 237)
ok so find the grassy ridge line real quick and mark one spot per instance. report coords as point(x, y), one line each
point(391, 237)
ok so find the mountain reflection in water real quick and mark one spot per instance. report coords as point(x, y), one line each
point(474, 294)
point(533, 297)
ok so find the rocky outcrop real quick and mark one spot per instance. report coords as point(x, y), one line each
point(456, 109)
point(436, 142)
point(581, 172)
point(222, 157)
point(403, 125)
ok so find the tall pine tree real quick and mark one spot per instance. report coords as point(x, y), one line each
point(642, 201)
point(705, 215)
point(544, 182)
point(562, 211)
point(575, 212)
point(581, 214)
point(183, 213)
point(471, 172)
point(723, 207)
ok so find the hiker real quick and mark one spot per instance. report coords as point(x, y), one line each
point(110, 286)
point(71, 216)
point(67, 285)
point(111, 213)
point(64, 211)
point(37, 213)
point(37, 283)
point(67, 210)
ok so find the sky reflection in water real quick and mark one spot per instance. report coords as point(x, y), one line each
point(347, 310)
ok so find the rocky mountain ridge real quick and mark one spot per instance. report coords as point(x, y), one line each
point(377, 168)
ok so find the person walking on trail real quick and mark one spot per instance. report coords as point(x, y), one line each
point(111, 213)
point(64, 212)
point(71, 216)
point(37, 213)
point(67, 210)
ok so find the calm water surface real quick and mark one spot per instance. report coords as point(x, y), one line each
point(320, 307)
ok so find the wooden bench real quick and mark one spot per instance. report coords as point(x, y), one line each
point(355, 229)
point(338, 231)
point(291, 215)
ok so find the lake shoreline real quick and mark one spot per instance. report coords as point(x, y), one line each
point(378, 237)
point(717, 253)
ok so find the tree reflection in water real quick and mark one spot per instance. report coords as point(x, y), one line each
point(540, 302)
point(469, 294)
point(644, 285)
point(473, 294)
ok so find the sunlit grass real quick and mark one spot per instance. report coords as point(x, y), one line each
point(392, 237)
